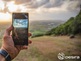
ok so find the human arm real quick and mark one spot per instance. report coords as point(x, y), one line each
point(8, 45)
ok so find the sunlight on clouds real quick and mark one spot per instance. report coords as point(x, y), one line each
point(39, 8)
point(38, 0)
point(57, 10)
point(5, 16)
point(22, 8)
point(2, 5)
point(51, 10)
point(11, 6)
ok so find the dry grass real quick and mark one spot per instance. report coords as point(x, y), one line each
point(46, 48)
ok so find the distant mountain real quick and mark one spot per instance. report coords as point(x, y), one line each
point(72, 26)
point(44, 25)
point(41, 27)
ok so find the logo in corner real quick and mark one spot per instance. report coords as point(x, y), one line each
point(61, 56)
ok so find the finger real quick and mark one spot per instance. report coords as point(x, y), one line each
point(18, 47)
point(24, 47)
point(8, 30)
point(29, 41)
point(29, 34)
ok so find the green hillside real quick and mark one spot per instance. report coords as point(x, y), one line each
point(72, 26)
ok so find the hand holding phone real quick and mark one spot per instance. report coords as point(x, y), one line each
point(20, 22)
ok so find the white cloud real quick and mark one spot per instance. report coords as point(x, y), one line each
point(1, 5)
point(39, 8)
point(43, 5)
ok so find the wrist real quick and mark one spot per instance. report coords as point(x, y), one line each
point(5, 55)
point(2, 58)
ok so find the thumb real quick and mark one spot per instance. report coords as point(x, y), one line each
point(8, 30)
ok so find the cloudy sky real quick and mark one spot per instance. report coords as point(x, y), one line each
point(41, 9)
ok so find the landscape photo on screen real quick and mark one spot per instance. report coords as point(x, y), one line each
point(20, 23)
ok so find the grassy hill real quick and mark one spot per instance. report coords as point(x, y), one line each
point(47, 48)
point(72, 26)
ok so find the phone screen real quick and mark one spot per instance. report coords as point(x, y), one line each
point(20, 23)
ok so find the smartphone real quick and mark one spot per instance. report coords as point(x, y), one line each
point(20, 23)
